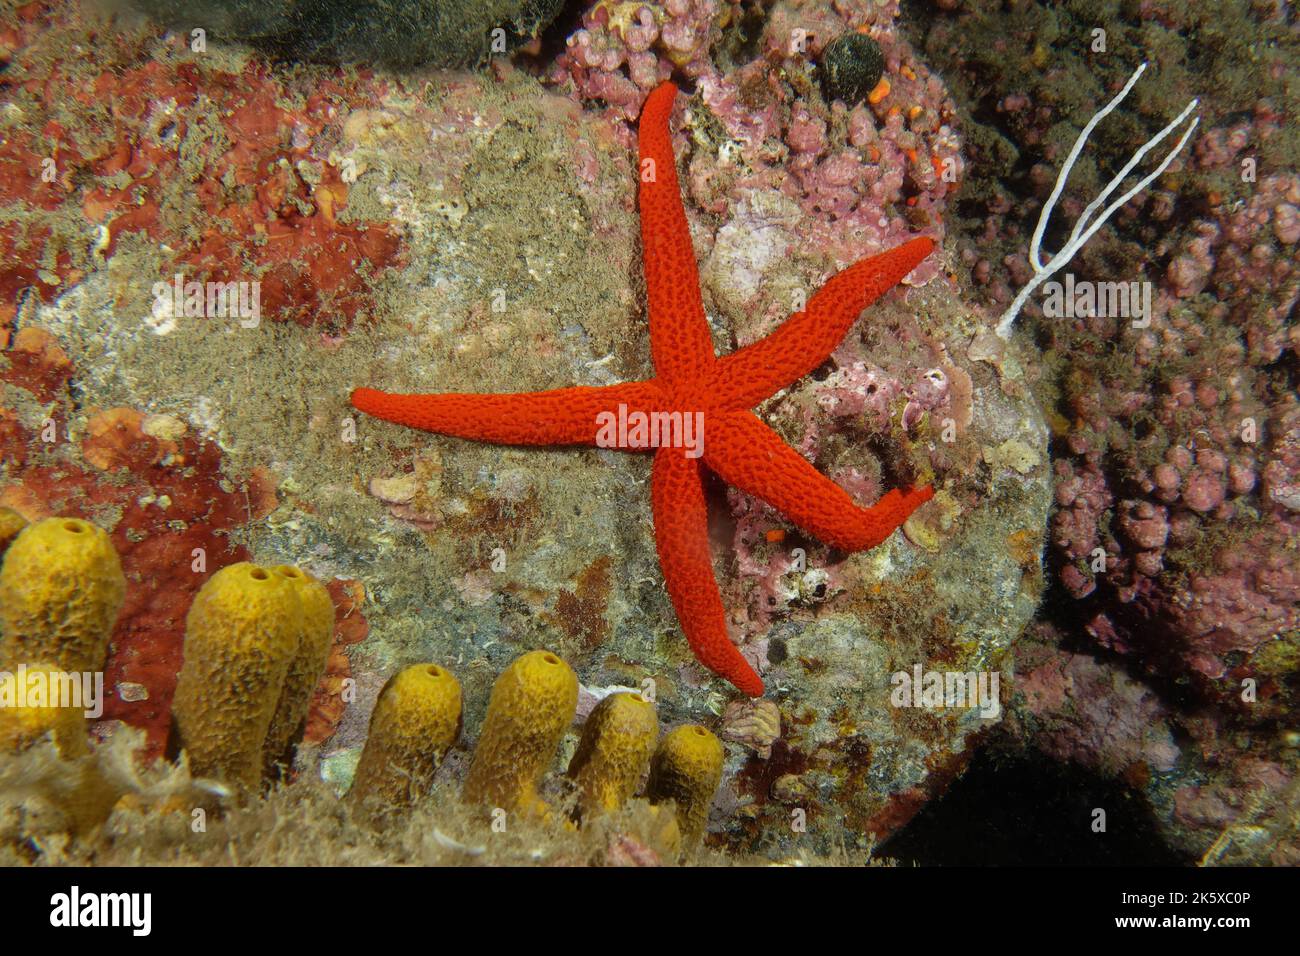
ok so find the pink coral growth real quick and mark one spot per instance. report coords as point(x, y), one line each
point(624, 50)
point(1096, 716)
point(1184, 465)
point(843, 166)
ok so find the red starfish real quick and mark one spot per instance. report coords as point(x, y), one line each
point(689, 379)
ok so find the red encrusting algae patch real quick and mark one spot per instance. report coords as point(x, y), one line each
point(37, 363)
point(226, 173)
point(350, 627)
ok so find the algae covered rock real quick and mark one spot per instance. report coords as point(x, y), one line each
point(405, 33)
point(242, 19)
point(519, 548)
point(472, 554)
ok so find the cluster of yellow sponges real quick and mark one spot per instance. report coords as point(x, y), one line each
point(533, 702)
point(256, 644)
point(257, 640)
point(61, 587)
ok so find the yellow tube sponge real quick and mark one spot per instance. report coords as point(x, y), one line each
point(614, 752)
point(532, 704)
point(241, 635)
point(687, 768)
point(28, 714)
point(61, 587)
point(316, 627)
point(415, 722)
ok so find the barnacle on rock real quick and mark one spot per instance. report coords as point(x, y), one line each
point(755, 724)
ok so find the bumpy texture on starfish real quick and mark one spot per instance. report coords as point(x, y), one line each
point(689, 378)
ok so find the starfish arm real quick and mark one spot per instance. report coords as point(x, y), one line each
point(806, 339)
point(680, 343)
point(682, 539)
point(747, 454)
point(563, 416)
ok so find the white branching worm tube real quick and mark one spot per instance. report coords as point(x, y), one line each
point(1089, 222)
